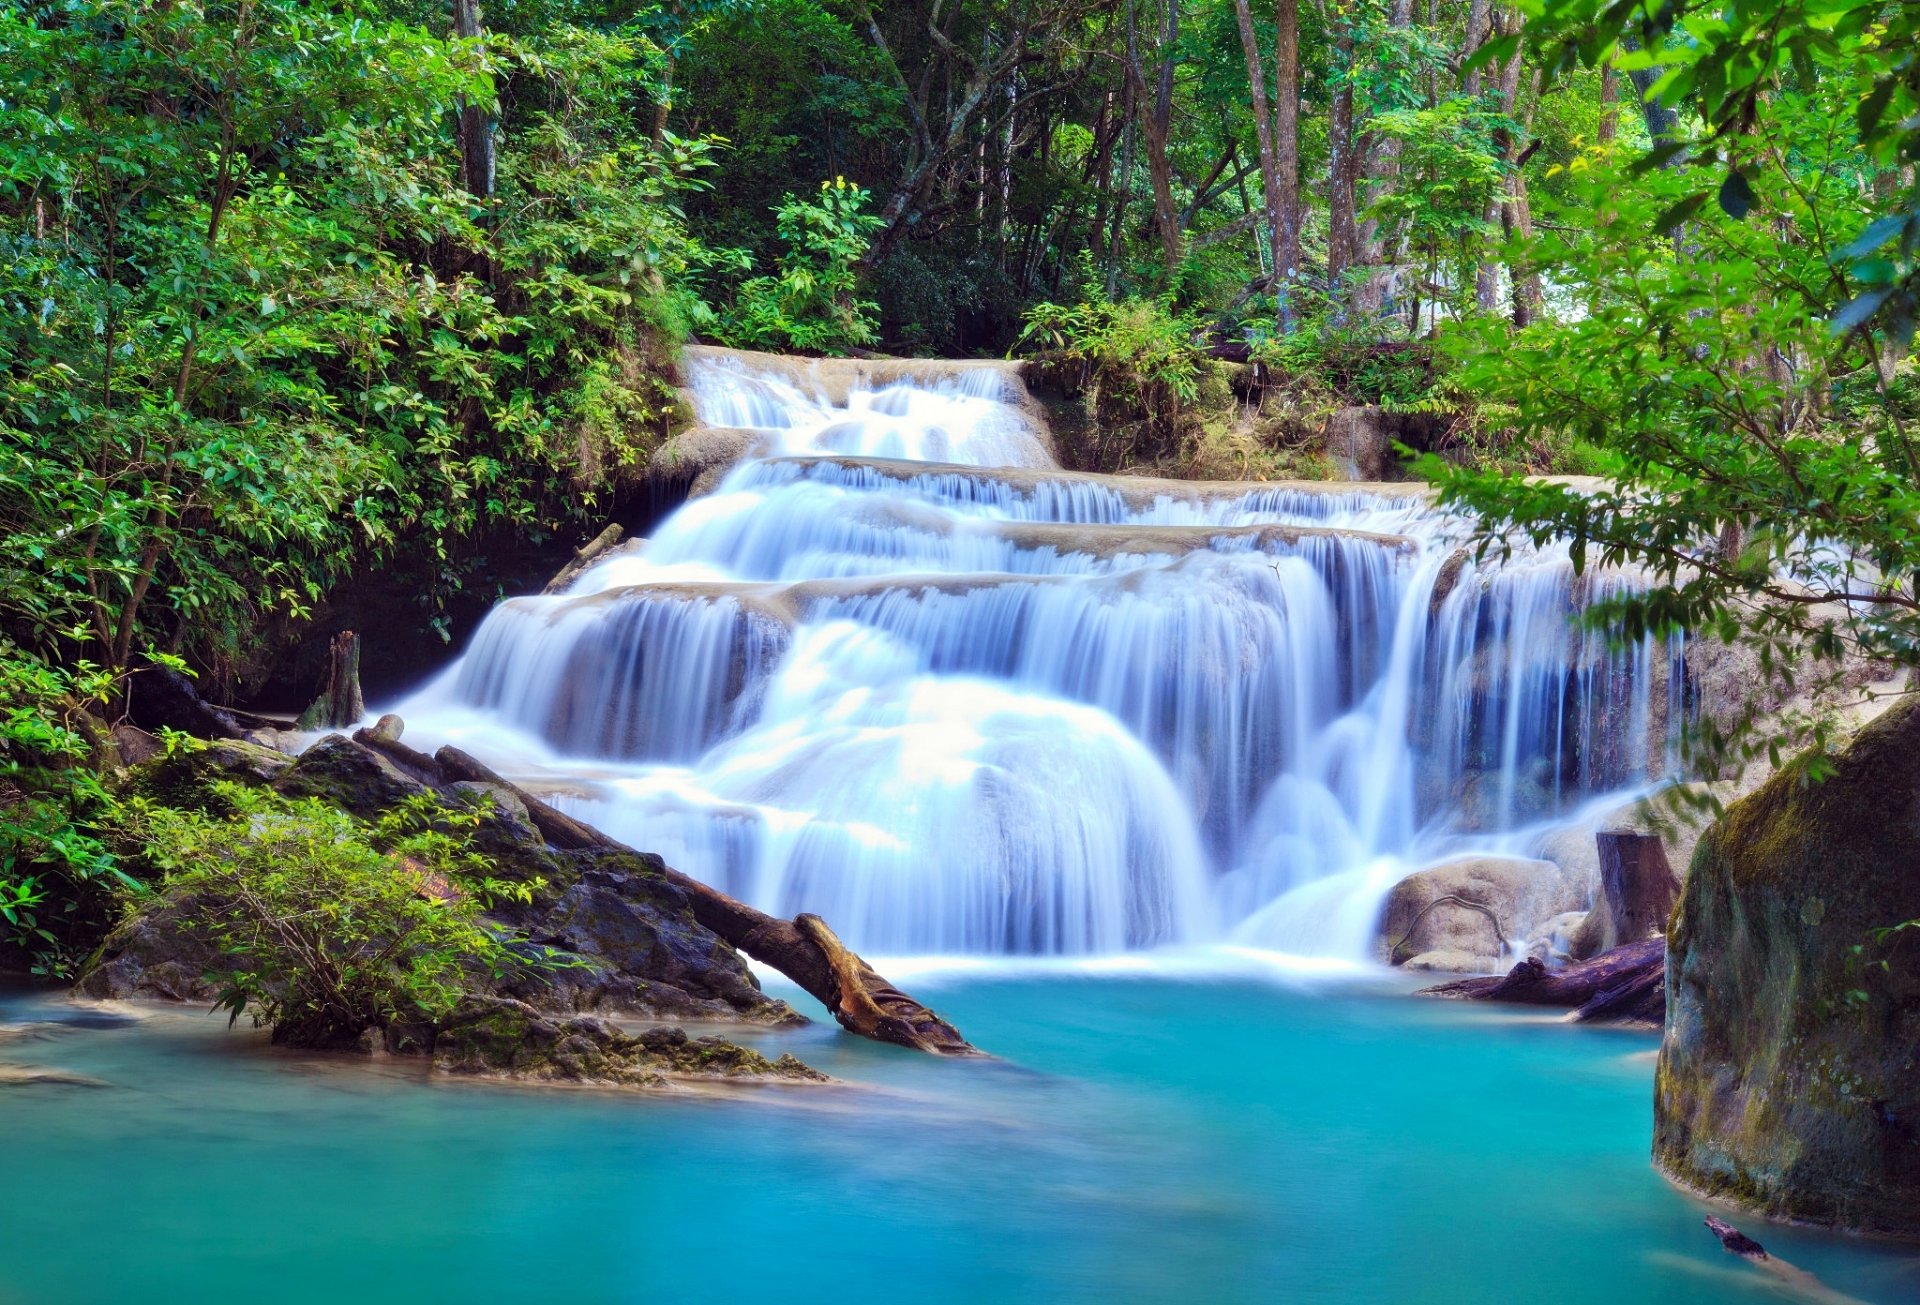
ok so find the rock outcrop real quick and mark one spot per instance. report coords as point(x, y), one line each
point(1789, 1075)
point(626, 937)
point(1464, 915)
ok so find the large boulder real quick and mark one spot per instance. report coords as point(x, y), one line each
point(611, 932)
point(1455, 915)
point(631, 944)
point(1789, 1075)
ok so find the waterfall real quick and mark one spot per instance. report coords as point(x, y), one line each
point(901, 670)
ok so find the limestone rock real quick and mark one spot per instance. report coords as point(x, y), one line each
point(1421, 930)
point(1789, 1075)
point(154, 955)
point(180, 778)
point(700, 457)
point(499, 1037)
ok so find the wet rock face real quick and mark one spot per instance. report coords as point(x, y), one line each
point(1789, 1076)
point(502, 1038)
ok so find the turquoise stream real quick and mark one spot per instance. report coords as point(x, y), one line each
point(1145, 1139)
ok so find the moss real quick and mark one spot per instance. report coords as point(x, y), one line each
point(1787, 1077)
point(184, 776)
point(345, 775)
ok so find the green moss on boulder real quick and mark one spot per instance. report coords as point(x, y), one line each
point(1789, 1076)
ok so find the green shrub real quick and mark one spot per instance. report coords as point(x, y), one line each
point(1139, 366)
point(811, 304)
point(57, 878)
point(327, 926)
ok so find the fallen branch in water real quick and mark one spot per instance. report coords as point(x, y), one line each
point(804, 949)
point(1627, 983)
point(1795, 1280)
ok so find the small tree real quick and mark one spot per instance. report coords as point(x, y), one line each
point(327, 927)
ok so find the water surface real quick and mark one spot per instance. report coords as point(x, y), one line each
point(1145, 1139)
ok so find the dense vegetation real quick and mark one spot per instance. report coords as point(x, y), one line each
point(293, 292)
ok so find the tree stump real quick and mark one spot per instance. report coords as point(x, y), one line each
point(1637, 887)
point(339, 704)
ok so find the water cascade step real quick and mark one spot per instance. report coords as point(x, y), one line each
point(900, 670)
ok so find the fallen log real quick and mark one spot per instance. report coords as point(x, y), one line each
point(1626, 984)
point(585, 557)
point(804, 949)
point(1793, 1280)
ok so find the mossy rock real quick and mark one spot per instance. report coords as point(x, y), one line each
point(636, 947)
point(184, 777)
point(502, 1038)
point(1789, 1077)
point(343, 774)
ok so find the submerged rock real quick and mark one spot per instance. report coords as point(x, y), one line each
point(1465, 915)
point(501, 1038)
point(1789, 1075)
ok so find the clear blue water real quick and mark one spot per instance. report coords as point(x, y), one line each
point(1144, 1139)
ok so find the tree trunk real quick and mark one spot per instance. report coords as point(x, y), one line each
point(1609, 103)
point(1343, 165)
point(804, 948)
point(1159, 133)
point(476, 129)
point(1269, 159)
point(1286, 151)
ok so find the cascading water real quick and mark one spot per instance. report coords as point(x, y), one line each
point(901, 671)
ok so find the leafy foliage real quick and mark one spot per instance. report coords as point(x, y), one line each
point(57, 876)
point(811, 304)
point(1762, 512)
point(252, 331)
point(1138, 359)
point(327, 927)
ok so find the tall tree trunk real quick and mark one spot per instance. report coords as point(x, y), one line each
point(1286, 151)
point(1159, 132)
point(1343, 167)
point(1269, 159)
point(1125, 188)
point(1609, 103)
point(476, 129)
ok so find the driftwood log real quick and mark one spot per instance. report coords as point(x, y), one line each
point(1626, 984)
point(340, 703)
point(804, 949)
point(584, 557)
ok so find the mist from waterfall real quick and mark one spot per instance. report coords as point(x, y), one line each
point(901, 671)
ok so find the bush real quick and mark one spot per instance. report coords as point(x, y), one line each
point(57, 878)
point(327, 926)
point(812, 303)
point(1139, 365)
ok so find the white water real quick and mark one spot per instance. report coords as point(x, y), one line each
point(1024, 713)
